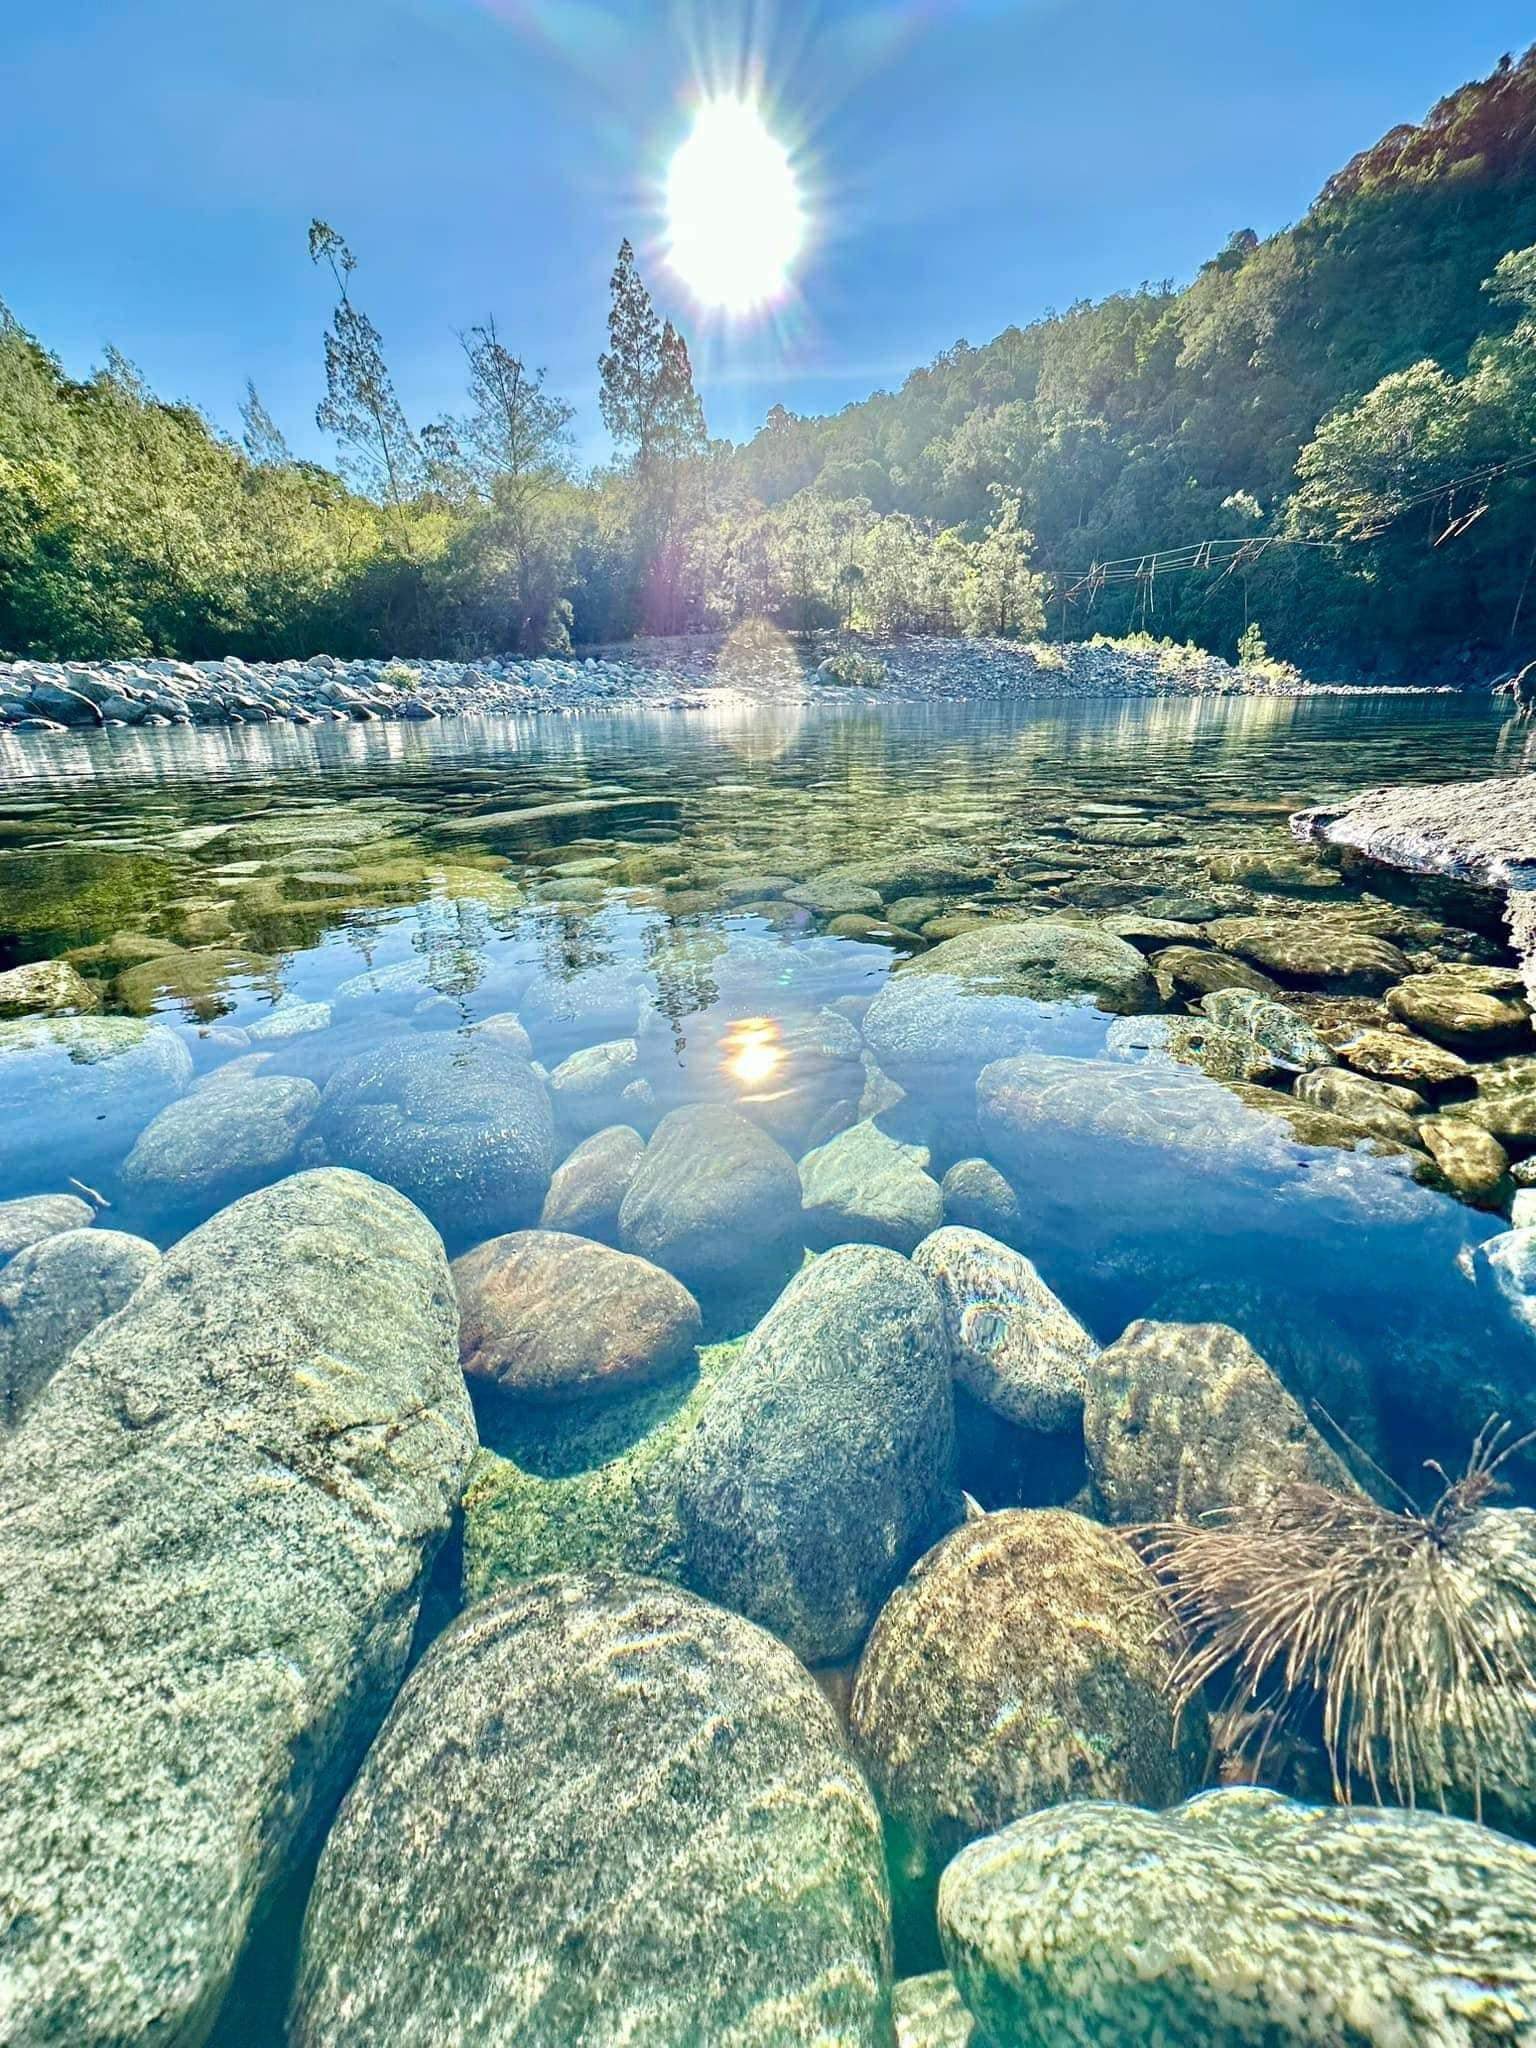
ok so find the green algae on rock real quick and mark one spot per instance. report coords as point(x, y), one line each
point(1268, 1925)
point(602, 1810)
point(584, 1486)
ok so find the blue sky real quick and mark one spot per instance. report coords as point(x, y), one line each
point(970, 165)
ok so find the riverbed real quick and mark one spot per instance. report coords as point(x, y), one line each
point(726, 993)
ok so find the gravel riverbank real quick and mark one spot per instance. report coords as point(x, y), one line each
point(671, 674)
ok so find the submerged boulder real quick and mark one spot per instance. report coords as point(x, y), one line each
point(30, 1218)
point(1024, 1661)
point(1011, 1342)
point(587, 1188)
point(601, 1811)
point(866, 1187)
point(1183, 1418)
point(714, 1197)
point(552, 1317)
point(80, 1089)
point(222, 1140)
point(51, 1295)
point(822, 1465)
point(218, 1515)
point(1244, 1920)
point(460, 1125)
point(1046, 960)
point(930, 2013)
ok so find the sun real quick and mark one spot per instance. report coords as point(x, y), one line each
point(735, 218)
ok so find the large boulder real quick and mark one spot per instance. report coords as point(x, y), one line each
point(822, 1464)
point(76, 1091)
point(553, 1317)
point(51, 1295)
point(221, 1141)
point(1183, 1418)
point(1312, 950)
point(1024, 1661)
point(461, 1125)
point(1243, 1920)
point(714, 1197)
point(218, 1517)
point(866, 1187)
point(601, 1811)
point(589, 1089)
point(1012, 1343)
point(1505, 1102)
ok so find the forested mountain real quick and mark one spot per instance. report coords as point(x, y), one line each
point(1354, 397)
point(1162, 417)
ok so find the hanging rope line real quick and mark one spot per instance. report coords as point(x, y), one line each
point(1224, 557)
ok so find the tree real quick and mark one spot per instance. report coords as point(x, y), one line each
point(360, 407)
point(263, 439)
point(648, 401)
point(650, 407)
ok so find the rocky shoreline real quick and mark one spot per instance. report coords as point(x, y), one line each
point(664, 674)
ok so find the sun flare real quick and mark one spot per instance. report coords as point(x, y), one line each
point(736, 221)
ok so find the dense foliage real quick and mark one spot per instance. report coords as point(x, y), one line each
point(1353, 399)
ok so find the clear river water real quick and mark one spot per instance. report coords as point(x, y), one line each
point(663, 910)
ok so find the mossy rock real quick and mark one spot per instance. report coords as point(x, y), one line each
point(585, 1484)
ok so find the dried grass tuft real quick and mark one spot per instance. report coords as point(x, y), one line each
point(1409, 1633)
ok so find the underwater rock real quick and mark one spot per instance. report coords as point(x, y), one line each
point(712, 1199)
point(832, 895)
point(1188, 1042)
point(222, 1140)
point(930, 2013)
point(1011, 1342)
point(588, 1088)
point(505, 1028)
point(920, 870)
point(1301, 1341)
point(1505, 1102)
point(1024, 1660)
point(588, 1187)
point(1279, 1032)
point(218, 1515)
point(1382, 1108)
point(1506, 1265)
point(81, 1089)
point(551, 1316)
point(1312, 950)
point(1472, 1010)
point(1190, 972)
point(1286, 873)
point(865, 1187)
point(978, 1197)
point(291, 1019)
point(1183, 1418)
point(31, 1218)
point(45, 985)
point(1044, 960)
point(1402, 1056)
point(1470, 1160)
point(601, 1811)
point(51, 1295)
point(1267, 1923)
point(592, 1007)
point(460, 1125)
point(822, 1465)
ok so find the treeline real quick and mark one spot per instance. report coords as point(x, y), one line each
point(1358, 393)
